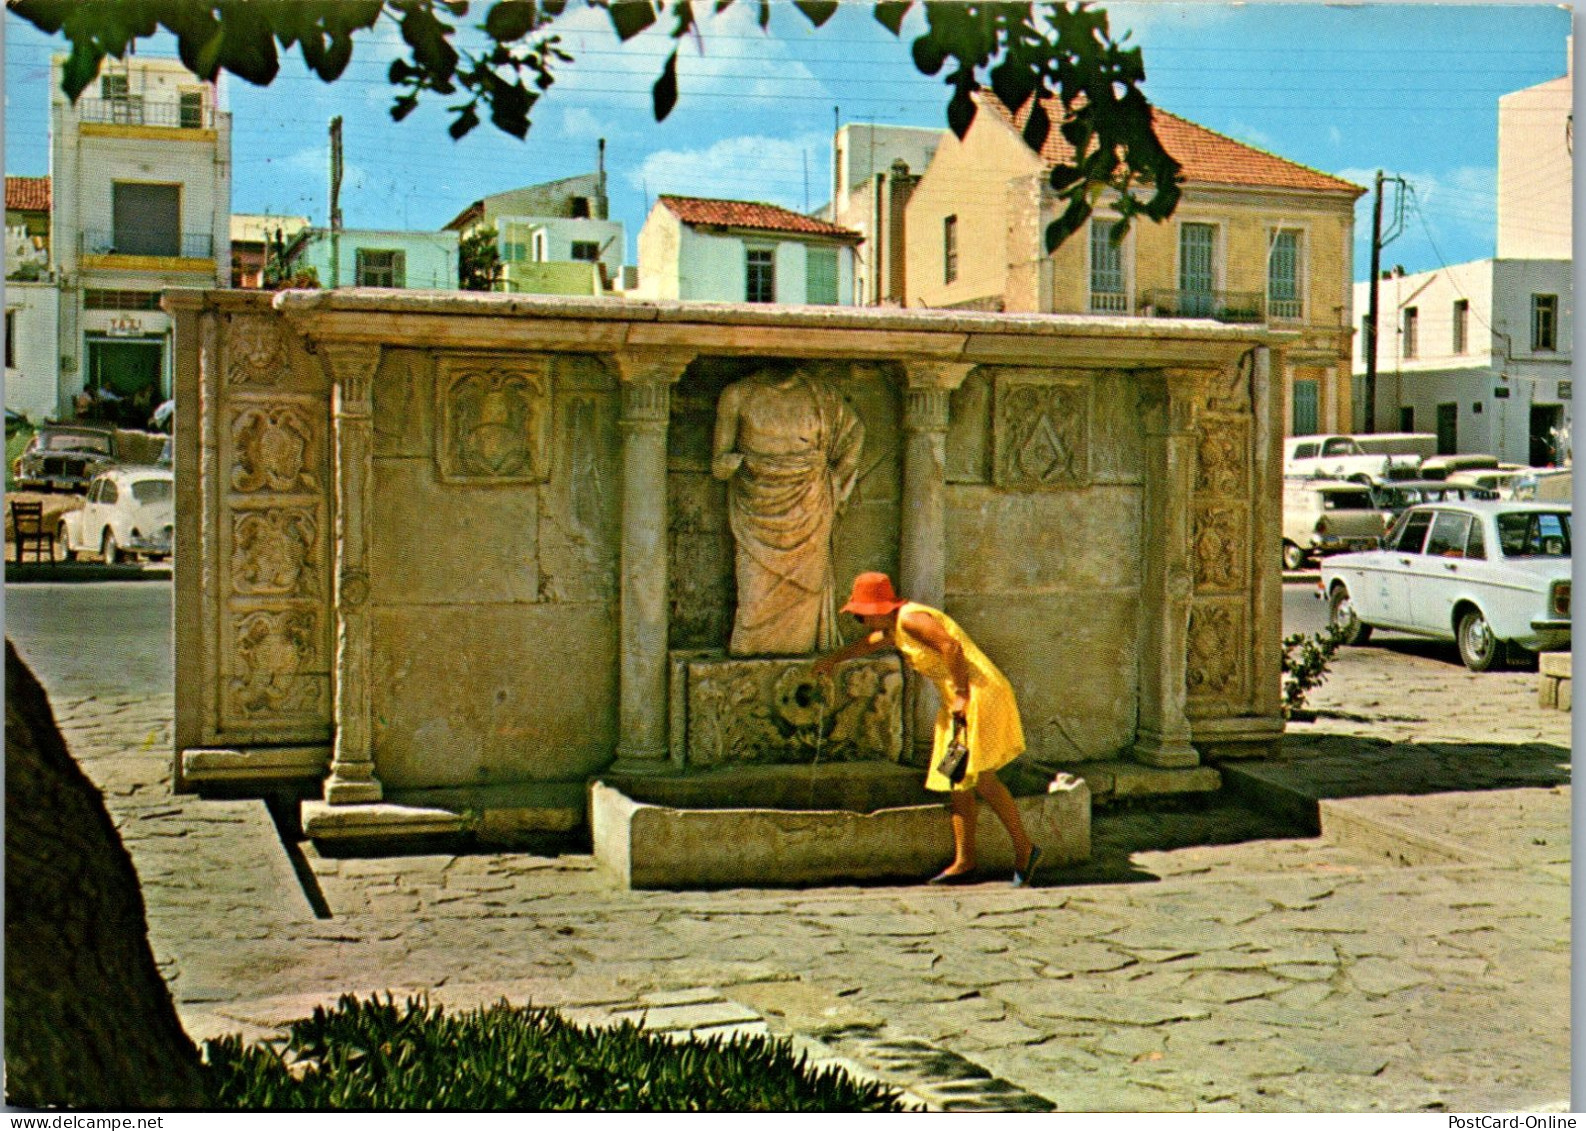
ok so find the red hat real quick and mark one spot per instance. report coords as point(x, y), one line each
point(872, 596)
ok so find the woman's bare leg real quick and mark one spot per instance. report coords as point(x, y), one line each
point(1002, 804)
point(963, 818)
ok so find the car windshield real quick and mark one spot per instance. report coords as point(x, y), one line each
point(1540, 534)
point(67, 441)
point(1347, 500)
point(152, 490)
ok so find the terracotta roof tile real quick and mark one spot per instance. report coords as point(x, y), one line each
point(1207, 157)
point(28, 194)
point(753, 215)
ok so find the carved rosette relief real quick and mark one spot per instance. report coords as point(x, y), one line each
point(495, 417)
point(1217, 651)
point(275, 449)
point(275, 660)
point(1222, 464)
point(273, 552)
point(1219, 544)
point(1041, 434)
point(254, 350)
point(777, 712)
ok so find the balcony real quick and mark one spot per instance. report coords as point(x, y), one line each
point(162, 243)
point(134, 111)
point(1220, 306)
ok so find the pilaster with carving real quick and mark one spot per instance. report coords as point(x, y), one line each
point(646, 376)
point(351, 369)
point(1168, 584)
point(922, 564)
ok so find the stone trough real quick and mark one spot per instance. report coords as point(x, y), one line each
point(646, 839)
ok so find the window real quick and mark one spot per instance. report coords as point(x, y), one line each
point(1307, 397)
point(1447, 429)
point(1450, 532)
point(580, 208)
point(950, 249)
point(586, 250)
point(1283, 275)
point(1544, 322)
point(1476, 544)
point(1406, 418)
point(1534, 535)
point(113, 86)
point(1107, 293)
point(820, 275)
point(1407, 539)
point(380, 268)
point(191, 111)
point(121, 300)
point(1461, 324)
point(11, 339)
point(107, 491)
point(1304, 451)
point(1197, 277)
point(147, 219)
point(1365, 337)
point(541, 246)
point(760, 271)
point(1412, 330)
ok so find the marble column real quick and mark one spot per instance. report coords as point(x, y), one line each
point(1168, 581)
point(922, 560)
point(646, 377)
point(351, 369)
point(1266, 528)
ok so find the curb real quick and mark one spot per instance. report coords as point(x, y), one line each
point(24, 572)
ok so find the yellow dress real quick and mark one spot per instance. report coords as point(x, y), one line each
point(995, 735)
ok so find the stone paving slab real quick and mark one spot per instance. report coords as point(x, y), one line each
point(1209, 959)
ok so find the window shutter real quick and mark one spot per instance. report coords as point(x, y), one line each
point(399, 271)
point(821, 276)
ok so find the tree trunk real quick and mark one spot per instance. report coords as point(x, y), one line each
point(88, 1021)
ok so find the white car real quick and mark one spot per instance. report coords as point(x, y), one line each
point(1491, 576)
point(129, 511)
point(1342, 457)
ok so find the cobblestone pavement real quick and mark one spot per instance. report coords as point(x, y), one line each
point(1413, 956)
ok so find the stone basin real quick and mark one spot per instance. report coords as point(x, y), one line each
point(646, 834)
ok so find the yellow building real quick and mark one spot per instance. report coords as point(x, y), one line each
point(1255, 238)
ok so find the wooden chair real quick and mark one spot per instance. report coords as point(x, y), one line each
point(27, 520)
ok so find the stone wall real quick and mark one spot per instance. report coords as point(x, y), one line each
point(431, 541)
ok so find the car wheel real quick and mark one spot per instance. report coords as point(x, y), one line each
point(108, 550)
point(1341, 617)
point(1478, 647)
point(1293, 557)
point(67, 552)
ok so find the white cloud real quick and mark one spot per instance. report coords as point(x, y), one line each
point(1449, 217)
point(1243, 131)
point(769, 169)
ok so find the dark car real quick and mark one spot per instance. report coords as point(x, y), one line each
point(64, 457)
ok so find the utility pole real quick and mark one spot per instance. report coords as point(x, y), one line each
point(335, 201)
point(1372, 311)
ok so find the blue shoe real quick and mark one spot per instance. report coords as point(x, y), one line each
point(1026, 878)
point(954, 878)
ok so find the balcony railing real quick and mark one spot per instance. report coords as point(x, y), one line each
point(1106, 303)
point(1286, 309)
point(192, 245)
point(1221, 306)
point(134, 111)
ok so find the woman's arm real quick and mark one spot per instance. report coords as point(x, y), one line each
point(930, 632)
point(866, 644)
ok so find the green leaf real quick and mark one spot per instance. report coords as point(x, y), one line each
point(890, 14)
point(509, 20)
point(960, 111)
point(928, 54)
point(817, 11)
point(467, 118)
point(630, 17)
point(664, 92)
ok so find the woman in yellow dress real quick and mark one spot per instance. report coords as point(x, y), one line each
point(972, 691)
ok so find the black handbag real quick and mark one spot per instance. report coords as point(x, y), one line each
point(955, 759)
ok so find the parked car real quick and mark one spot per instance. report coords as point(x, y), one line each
point(1327, 517)
point(129, 511)
point(1501, 481)
point(1441, 467)
point(64, 457)
point(1492, 576)
point(1554, 485)
point(1342, 457)
point(1393, 499)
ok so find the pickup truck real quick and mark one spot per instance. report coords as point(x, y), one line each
point(1341, 457)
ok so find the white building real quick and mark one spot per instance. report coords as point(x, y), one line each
point(141, 200)
point(1480, 352)
point(875, 171)
point(702, 250)
point(32, 301)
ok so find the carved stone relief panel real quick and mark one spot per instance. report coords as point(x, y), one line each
point(1220, 538)
point(969, 430)
point(401, 402)
point(1042, 434)
point(1222, 457)
point(494, 416)
point(1228, 390)
point(275, 552)
point(255, 352)
point(581, 507)
point(276, 448)
point(1218, 651)
point(276, 671)
point(745, 712)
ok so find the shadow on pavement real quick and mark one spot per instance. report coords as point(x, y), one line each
point(1334, 766)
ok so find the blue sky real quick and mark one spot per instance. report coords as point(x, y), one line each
point(1411, 89)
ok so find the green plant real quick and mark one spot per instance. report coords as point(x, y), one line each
point(377, 1055)
point(1305, 663)
point(15, 442)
